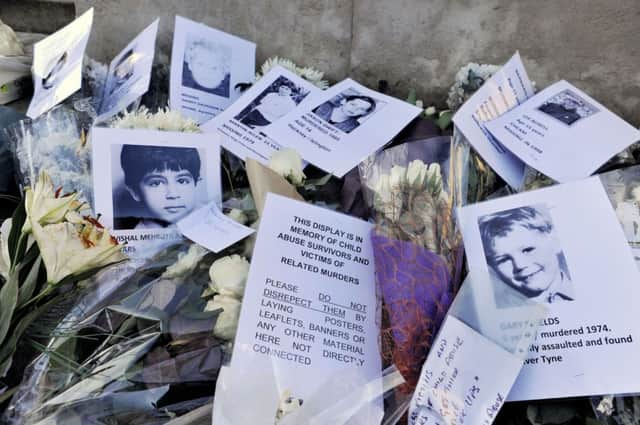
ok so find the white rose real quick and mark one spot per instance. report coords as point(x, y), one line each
point(416, 173)
point(227, 321)
point(5, 261)
point(229, 275)
point(398, 176)
point(237, 215)
point(288, 164)
point(431, 110)
point(186, 263)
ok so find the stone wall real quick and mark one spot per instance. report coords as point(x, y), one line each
point(595, 44)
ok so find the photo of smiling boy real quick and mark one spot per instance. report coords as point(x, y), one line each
point(160, 184)
point(522, 249)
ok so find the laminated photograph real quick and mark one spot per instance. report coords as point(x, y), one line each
point(532, 243)
point(563, 132)
point(206, 67)
point(341, 126)
point(309, 305)
point(146, 181)
point(57, 65)
point(623, 189)
point(129, 73)
point(242, 125)
point(506, 89)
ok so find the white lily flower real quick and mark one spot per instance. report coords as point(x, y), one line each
point(9, 43)
point(229, 275)
point(227, 322)
point(398, 176)
point(288, 163)
point(66, 252)
point(43, 205)
point(416, 173)
point(5, 261)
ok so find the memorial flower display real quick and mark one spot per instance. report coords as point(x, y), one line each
point(326, 247)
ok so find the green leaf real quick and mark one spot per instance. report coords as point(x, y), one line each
point(17, 221)
point(444, 120)
point(8, 302)
point(412, 98)
point(8, 394)
point(29, 285)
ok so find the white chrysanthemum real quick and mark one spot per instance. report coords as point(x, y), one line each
point(312, 75)
point(463, 88)
point(187, 262)
point(165, 120)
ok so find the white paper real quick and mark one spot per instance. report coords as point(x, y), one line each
point(57, 64)
point(310, 302)
point(342, 125)
point(507, 88)
point(209, 227)
point(145, 181)
point(129, 73)
point(567, 250)
point(242, 125)
point(465, 379)
point(206, 66)
point(563, 132)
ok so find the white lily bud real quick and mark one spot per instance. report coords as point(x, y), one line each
point(398, 176)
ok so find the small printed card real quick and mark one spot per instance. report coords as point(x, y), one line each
point(209, 227)
point(342, 125)
point(563, 133)
point(129, 73)
point(310, 303)
point(582, 269)
point(145, 181)
point(507, 88)
point(206, 67)
point(465, 379)
point(57, 64)
point(242, 125)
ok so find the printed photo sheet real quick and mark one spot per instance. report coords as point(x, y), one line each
point(582, 269)
point(310, 304)
point(563, 132)
point(206, 67)
point(342, 125)
point(243, 125)
point(57, 65)
point(129, 73)
point(506, 89)
point(146, 181)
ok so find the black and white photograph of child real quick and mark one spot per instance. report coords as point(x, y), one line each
point(281, 97)
point(523, 252)
point(123, 71)
point(348, 110)
point(567, 107)
point(206, 66)
point(53, 74)
point(154, 187)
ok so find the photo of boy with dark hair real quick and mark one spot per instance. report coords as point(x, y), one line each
point(161, 184)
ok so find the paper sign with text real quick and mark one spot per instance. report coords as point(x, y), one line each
point(310, 302)
point(465, 379)
point(57, 64)
point(507, 88)
point(563, 132)
point(341, 126)
point(582, 269)
point(242, 125)
point(206, 67)
point(209, 227)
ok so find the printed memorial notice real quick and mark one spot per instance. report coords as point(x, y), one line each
point(146, 181)
point(57, 65)
point(242, 125)
point(563, 132)
point(341, 126)
point(309, 305)
point(206, 67)
point(507, 88)
point(129, 73)
point(582, 269)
